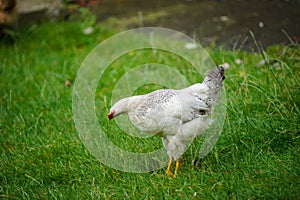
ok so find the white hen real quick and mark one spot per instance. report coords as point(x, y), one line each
point(179, 116)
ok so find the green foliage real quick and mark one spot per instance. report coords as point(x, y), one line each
point(42, 157)
point(79, 13)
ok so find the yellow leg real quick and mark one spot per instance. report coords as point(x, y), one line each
point(177, 168)
point(169, 169)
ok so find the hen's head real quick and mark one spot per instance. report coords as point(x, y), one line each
point(111, 115)
point(118, 108)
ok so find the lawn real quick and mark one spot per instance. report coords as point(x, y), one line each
point(42, 156)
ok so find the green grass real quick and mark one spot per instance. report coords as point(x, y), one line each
point(42, 157)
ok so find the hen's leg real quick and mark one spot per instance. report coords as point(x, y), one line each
point(177, 168)
point(169, 169)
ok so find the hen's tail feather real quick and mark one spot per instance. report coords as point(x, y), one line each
point(214, 80)
point(216, 74)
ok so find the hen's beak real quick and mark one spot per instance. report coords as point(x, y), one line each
point(110, 115)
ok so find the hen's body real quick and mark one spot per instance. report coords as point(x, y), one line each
point(179, 116)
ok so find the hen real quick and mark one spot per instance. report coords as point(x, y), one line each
point(178, 116)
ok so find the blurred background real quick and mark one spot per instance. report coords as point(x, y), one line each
point(234, 24)
point(43, 44)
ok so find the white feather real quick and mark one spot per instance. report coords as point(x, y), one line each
point(179, 116)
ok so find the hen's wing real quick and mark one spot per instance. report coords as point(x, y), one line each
point(157, 112)
point(166, 110)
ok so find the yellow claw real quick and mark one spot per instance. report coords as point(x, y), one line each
point(177, 168)
point(169, 169)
